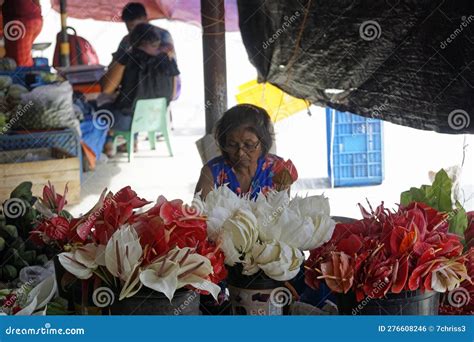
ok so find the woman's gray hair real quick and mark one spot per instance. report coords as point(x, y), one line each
point(253, 118)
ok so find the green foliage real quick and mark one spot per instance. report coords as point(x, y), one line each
point(438, 196)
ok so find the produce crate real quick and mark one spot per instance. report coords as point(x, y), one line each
point(25, 76)
point(356, 156)
point(39, 166)
point(65, 139)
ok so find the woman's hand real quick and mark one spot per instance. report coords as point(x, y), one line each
point(205, 183)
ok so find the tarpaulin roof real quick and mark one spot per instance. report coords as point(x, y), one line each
point(410, 62)
point(110, 10)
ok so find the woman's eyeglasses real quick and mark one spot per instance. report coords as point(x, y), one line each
point(246, 147)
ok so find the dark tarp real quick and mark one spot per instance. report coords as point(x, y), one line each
point(407, 62)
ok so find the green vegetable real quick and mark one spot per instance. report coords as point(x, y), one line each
point(438, 196)
point(5, 82)
point(2, 244)
point(8, 232)
point(29, 257)
point(8, 272)
point(41, 259)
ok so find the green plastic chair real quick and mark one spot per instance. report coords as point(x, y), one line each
point(150, 116)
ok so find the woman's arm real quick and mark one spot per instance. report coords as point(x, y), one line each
point(205, 183)
point(112, 78)
point(175, 87)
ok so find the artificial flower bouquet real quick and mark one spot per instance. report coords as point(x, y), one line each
point(389, 252)
point(267, 234)
point(164, 248)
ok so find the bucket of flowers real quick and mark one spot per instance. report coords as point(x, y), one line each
point(390, 262)
point(128, 262)
point(445, 195)
point(263, 242)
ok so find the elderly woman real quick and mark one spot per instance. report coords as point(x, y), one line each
point(245, 136)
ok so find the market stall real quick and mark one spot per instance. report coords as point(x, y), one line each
point(226, 253)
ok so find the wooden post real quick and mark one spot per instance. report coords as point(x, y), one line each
point(213, 46)
point(64, 41)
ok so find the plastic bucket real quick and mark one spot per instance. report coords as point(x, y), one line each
point(149, 302)
point(257, 295)
point(105, 301)
point(404, 303)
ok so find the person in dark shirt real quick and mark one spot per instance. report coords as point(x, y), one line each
point(149, 73)
point(134, 13)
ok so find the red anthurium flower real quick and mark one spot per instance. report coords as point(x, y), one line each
point(52, 200)
point(127, 196)
point(338, 272)
point(350, 245)
point(217, 257)
point(281, 165)
point(55, 229)
point(409, 249)
point(400, 274)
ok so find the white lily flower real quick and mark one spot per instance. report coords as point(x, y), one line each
point(448, 276)
point(220, 204)
point(123, 252)
point(177, 269)
point(215, 220)
point(238, 236)
point(311, 205)
point(83, 261)
point(132, 285)
point(278, 260)
point(324, 226)
point(249, 266)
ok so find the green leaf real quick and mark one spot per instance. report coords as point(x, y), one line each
point(458, 221)
point(23, 191)
point(415, 195)
point(439, 194)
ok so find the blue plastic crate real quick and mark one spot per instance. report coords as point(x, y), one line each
point(356, 157)
point(18, 75)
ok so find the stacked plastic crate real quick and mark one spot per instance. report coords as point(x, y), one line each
point(355, 149)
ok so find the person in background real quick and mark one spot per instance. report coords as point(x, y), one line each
point(22, 23)
point(149, 73)
point(133, 14)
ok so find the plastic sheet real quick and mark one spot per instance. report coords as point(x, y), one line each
point(404, 61)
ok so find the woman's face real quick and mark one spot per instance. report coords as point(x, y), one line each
point(243, 147)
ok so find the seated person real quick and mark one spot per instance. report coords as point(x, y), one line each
point(148, 74)
point(245, 136)
point(133, 14)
